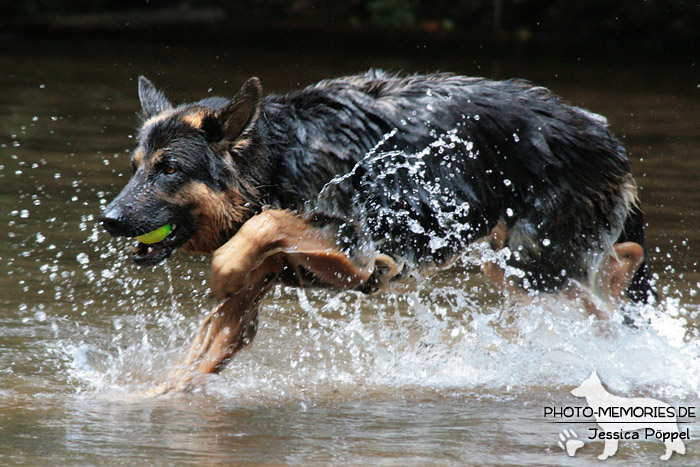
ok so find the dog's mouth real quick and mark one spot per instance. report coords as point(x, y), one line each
point(150, 249)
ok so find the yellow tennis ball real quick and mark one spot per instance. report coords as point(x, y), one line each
point(155, 236)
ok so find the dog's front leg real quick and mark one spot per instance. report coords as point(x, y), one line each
point(246, 266)
point(231, 326)
point(280, 237)
point(234, 321)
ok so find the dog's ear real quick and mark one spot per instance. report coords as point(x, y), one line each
point(152, 100)
point(238, 118)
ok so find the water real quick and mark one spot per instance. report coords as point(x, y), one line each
point(448, 372)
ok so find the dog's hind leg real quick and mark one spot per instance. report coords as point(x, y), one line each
point(618, 270)
point(496, 274)
point(606, 290)
point(615, 273)
point(640, 286)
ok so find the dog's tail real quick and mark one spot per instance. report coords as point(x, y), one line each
point(640, 289)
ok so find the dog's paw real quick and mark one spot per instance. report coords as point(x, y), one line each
point(569, 442)
point(157, 391)
point(178, 382)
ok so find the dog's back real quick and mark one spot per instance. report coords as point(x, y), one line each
point(505, 150)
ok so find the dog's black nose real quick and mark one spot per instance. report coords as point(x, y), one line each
point(113, 222)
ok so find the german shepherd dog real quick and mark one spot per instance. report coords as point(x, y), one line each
point(353, 182)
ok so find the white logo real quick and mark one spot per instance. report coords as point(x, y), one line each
point(625, 418)
point(568, 440)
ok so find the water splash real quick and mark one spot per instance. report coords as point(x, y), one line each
point(448, 334)
point(549, 343)
point(116, 330)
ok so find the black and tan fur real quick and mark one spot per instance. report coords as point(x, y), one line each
point(353, 182)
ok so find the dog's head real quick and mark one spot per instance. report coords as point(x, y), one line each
point(196, 168)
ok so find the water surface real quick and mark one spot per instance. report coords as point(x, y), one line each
point(451, 372)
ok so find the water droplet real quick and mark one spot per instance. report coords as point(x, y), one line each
point(82, 258)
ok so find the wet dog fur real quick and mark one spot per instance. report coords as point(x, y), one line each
point(353, 182)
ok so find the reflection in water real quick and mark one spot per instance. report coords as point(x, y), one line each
point(446, 371)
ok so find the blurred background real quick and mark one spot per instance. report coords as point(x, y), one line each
point(629, 28)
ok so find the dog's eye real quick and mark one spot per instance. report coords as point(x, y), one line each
point(169, 167)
